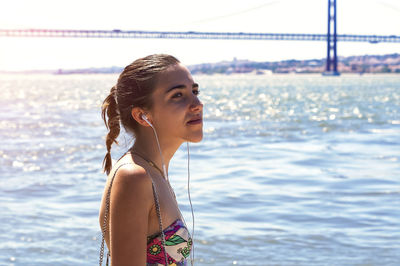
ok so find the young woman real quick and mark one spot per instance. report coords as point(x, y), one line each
point(155, 99)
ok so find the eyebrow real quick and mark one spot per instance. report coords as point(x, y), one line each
point(181, 86)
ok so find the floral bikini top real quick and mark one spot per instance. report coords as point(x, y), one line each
point(178, 245)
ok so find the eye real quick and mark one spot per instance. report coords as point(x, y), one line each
point(196, 92)
point(177, 95)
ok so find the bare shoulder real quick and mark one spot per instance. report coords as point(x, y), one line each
point(130, 185)
point(132, 174)
point(132, 181)
point(130, 205)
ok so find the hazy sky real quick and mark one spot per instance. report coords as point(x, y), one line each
point(380, 17)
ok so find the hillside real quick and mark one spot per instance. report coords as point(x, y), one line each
point(353, 64)
point(389, 63)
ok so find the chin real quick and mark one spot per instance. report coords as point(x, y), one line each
point(195, 137)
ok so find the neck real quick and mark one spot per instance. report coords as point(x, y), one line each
point(146, 145)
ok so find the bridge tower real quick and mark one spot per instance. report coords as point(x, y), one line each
point(331, 60)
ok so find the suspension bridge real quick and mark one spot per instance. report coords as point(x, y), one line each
point(331, 37)
point(53, 33)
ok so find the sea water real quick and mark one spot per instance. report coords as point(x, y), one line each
point(292, 170)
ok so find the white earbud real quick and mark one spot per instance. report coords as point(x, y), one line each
point(144, 117)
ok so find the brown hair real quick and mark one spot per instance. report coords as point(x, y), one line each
point(134, 89)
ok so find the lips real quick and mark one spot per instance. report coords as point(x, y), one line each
point(195, 121)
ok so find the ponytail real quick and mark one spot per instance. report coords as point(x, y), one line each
point(109, 107)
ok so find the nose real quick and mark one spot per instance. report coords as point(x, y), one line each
point(196, 105)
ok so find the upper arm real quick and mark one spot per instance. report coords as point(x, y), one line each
point(130, 204)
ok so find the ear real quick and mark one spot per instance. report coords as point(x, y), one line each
point(137, 113)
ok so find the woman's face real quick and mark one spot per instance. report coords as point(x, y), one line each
point(177, 113)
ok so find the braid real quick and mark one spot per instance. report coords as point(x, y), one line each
point(112, 124)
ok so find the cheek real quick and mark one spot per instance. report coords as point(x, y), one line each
point(172, 112)
point(170, 116)
point(178, 108)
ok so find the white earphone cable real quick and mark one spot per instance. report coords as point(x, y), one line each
point(190, 201)
point(159, 147)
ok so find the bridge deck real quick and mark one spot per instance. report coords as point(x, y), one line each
point(193, 35)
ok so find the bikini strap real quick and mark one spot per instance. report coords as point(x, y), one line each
point(104, 227)
point(159, 219)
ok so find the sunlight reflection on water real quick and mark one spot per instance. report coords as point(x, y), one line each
point(293, 169)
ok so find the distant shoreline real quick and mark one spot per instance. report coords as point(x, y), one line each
point(365, 64)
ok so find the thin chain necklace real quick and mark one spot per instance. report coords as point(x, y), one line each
point(151, 163)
